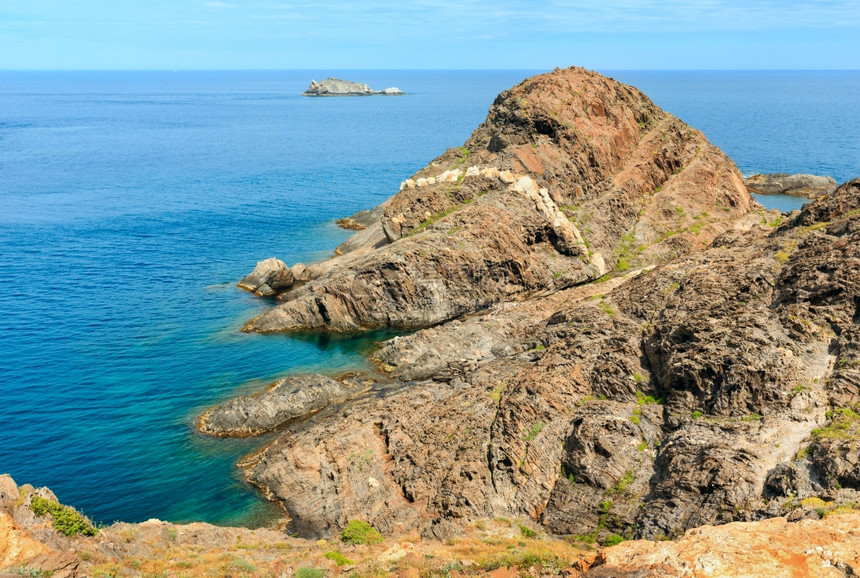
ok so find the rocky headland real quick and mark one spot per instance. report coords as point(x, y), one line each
point(800, 185)
point(337, 87)
point(613, 340)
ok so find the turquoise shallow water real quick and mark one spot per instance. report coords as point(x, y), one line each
point(131, 203)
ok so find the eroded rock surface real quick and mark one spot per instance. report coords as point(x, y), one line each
point(711, 377)
point(572, 175)
point(268, 277)
point(285, 400)
point(644, 405)
point(775, 548)
point(799, 185)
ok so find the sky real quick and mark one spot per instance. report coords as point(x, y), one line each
point(428, 34)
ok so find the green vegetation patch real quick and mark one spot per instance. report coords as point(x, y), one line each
point(67, 520)
point(643, 399)
point(338, 558)
point(621, 486)
point(360, 532)
point(841, 427)
point(607, 308)
point(531, 433)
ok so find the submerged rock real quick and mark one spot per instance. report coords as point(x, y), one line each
point(285, 400)
point(337, 87)
point(800, 185)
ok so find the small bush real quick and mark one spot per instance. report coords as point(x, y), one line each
point(815, 503)
point(697, 414)
point(338, 558)
point(309, 573)
point(360, 532)
point(527, 532)
point(612, 540)
point(242, 565)
point(67, 520)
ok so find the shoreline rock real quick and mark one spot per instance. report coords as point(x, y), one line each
point(286, 400)
point(337, 87)
point(797, 185)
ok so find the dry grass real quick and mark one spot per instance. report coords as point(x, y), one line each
point(488, 544)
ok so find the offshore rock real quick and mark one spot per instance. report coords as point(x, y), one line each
point(337, 87)
point(285, 400)
point(572, 175)
point(800, 185)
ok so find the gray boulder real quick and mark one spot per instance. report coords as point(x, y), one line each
point(268, 277)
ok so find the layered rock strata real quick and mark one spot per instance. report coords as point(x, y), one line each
point(711, 377)
point(719, 386)
point(287, 399)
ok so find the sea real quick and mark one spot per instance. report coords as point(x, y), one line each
point(131, 203)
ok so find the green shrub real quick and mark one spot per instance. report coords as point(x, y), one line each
point(309, 573)
point(612, 540)
point(67, 520)
point(697, 414)
point(360, 532)
point(527, 532)
point(40, 506)
point(338, 558)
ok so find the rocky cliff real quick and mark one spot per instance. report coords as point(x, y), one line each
point(571, 176)
point(616, 341)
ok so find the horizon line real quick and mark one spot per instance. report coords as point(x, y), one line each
point(424, 69)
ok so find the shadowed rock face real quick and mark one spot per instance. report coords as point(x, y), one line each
point(655, 400)
point(571, 175)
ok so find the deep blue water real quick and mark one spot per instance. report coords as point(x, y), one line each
point(131, 203)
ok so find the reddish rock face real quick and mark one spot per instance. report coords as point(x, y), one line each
point(712, 382)
point(572, 175)
point(769, 548)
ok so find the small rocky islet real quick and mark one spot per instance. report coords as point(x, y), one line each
point(611, 341)
point(337, 87)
